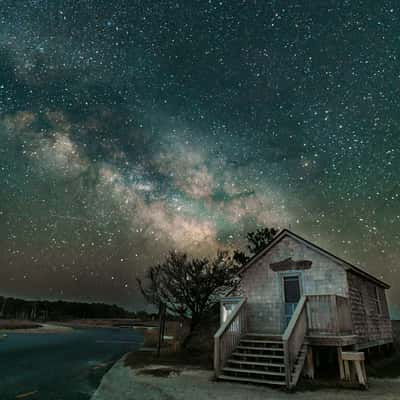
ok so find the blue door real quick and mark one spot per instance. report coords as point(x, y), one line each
point(291, 287)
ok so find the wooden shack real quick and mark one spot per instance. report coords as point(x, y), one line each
point(294, 299)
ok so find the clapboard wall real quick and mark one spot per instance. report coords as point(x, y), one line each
point(369, 310)
point(263, 287)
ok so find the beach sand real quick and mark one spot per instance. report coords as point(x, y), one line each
point(160, 382)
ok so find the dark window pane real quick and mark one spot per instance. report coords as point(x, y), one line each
point(292, 289)
point(377, 301)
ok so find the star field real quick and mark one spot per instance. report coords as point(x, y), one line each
point(130, 128)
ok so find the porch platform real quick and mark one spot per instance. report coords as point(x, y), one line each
point(318, 339)
point(331, 340)
point(372, 343)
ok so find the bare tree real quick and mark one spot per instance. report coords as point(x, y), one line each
point(189, 287)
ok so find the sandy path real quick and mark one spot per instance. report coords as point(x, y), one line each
point(124, 383)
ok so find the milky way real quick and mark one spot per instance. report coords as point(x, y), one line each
point(129, 128)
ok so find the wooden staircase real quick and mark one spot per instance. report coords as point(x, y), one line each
point(257, 357)
point(260, 358)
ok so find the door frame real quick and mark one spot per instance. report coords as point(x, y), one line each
point(283, 275)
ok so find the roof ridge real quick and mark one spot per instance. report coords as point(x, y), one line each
point(279, 236)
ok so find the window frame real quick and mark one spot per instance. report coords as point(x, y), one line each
point(286, 279)
point(377, 301)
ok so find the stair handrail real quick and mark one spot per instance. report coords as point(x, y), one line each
point(298, 325)
point(238, 314)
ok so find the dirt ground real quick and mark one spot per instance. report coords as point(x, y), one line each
point(161, 382)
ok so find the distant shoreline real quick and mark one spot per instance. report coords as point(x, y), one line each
point(116, 323)
point(23, 326)
point(16, 326)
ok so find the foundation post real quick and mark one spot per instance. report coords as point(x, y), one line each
point(340, 362)
point(309, 370)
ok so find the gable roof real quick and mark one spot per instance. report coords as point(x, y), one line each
point(343, 263)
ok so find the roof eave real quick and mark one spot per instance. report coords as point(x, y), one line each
point(284, 232)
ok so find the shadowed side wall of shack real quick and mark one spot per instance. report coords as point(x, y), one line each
point(369, 310)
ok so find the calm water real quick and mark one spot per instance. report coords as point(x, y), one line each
point(66, 366)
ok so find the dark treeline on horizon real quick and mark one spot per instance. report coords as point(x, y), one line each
point(43, 310)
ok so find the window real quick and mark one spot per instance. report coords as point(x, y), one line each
point(292, 289)
point(376, 301)
point(292, 292)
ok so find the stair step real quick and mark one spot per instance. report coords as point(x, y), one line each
point(257, 355)
point(260, 348)
point(265, 335)
point(261, 341)
point(298, 366)
point(251, 380)
point(256, 363)
point(253, 371)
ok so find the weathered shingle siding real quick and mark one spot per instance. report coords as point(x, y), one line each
point(367, 323)
point(263, 287)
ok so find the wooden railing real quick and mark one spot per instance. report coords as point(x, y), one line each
point(329, 315)
point(229, 334)
point(293, 338)
point(345, 322)
point(227, 305)
point(314, 315)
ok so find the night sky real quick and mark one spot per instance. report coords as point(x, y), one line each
point(129, 128)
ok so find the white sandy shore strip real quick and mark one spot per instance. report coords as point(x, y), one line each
point(44, 328)
point(124, 383)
